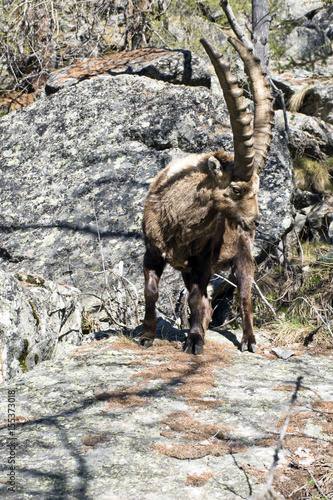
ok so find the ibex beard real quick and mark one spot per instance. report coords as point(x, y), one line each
point(201, 211)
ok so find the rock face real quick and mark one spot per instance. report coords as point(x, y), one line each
point(308, 136)
point(174, 66)
point(324, 19)
point(306, 40)
point(318, 102)
point(275, 198)
point(319, 221)
point(35, 315)
point(294, 8)
point(75, 168)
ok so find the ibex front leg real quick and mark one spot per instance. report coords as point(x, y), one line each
point(153, 266)
point(243, 268)
point(196, 282)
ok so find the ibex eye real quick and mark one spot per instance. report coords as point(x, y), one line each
point(236, 190)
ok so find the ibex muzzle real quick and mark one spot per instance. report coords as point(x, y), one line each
point(201, 211)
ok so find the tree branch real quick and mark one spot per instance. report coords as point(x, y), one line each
point(268, 486)
point(234, 24)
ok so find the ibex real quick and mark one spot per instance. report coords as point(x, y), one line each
point(201, 211)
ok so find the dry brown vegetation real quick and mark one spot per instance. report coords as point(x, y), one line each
point(314, 176)
point(298, 286)
point(308, 473)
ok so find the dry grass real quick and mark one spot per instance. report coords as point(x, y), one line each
point(288, 333)
point(191, 438)
point(301, 294)
point(198, 480)
point(297, 99)
point(313, 175)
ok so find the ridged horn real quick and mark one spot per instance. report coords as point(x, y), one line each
point(240, 119)
point(251, 140)
point(263, 112)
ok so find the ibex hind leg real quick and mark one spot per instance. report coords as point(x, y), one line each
point(153, 266)
point(243, 269)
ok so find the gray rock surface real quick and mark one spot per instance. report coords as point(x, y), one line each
point(35, 315)
point(309, 136)
point(275, 198)
point(318, 102)
point(324, 19)
point(320, 218)
point(295, 9)
point(306, 40)
point(282, 353)
point(114, 421)
point(75, 168)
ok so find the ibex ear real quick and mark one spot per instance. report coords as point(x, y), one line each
point(214, 165)
point(221, 176)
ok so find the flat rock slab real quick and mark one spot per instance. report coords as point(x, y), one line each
point(111, 420)
point(174, 66)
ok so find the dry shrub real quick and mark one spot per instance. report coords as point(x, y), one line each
point(40, 36)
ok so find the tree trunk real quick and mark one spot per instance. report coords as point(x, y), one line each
point(261, 20)
point(137, 22)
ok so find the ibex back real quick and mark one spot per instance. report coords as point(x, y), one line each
point(201, 211)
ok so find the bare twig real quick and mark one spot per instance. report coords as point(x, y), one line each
point(100, 244)
point(160, 14)
point(258, 290)
point(135, 299)
point(120, 292)
point(317, 485)
point(326, 324)
point(300, 248)
point(225, 279)
point(278, 447)
point(226, 323)
point(265, 300)
point(296, 490)
point(106, 309)
point(165, 44)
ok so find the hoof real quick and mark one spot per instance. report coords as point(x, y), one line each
point(146, 342)
point(251, 346)
point(198, 348)
point(193, 346)
point(188, 347)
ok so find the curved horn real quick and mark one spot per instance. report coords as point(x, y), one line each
point(241, 121)
point(263, 112)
